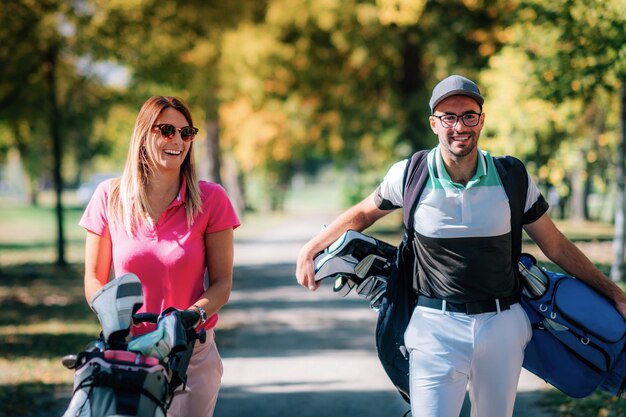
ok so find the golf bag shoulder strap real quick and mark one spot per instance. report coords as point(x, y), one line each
point(514, 179)
point(515, 182)
point(415, 176)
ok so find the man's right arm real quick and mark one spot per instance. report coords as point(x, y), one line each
point(359, 217)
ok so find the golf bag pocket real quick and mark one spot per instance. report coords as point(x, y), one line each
point(595, 329)
point(548, 358)
point(574, 329)
point(119, 383)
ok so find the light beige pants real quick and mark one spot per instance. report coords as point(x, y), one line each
point(204, 377)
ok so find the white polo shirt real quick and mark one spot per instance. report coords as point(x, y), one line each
point(462, 232)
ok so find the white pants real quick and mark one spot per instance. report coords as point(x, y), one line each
point(448, 350)
point(204, 376)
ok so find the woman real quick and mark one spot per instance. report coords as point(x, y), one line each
point(162, 224)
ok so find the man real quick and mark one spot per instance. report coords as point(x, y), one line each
point(468, 326)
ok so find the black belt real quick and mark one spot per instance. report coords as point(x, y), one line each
point(475, 307)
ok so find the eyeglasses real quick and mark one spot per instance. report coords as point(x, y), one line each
point(168, 131)
point(470, 119)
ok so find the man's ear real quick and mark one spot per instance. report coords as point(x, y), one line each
point(482, 120)
point(433, 124)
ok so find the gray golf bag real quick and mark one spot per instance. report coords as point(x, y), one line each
point(122, 377)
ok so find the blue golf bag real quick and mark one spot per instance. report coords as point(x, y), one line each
point(578, 338)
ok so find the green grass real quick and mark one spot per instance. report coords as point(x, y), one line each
point(44, 315)
point(29, 234)
point(22, 399)
point(586, 231)
point(598, 404)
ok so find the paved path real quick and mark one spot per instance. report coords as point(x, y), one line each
point(289, 352)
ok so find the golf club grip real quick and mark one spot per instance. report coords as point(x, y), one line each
point(189, 318)
point(145, 318)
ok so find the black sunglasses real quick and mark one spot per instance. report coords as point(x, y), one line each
point(168, 131)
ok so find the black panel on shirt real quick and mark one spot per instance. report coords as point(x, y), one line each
point(536, 210)
point(382, 203)
point(465, 269)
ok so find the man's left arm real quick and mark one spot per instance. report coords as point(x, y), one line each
point(560, 250)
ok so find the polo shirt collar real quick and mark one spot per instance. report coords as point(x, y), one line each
point(441, 172)
point(181, 198)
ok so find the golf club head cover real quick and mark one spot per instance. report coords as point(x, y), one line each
point(373, 265)
point(376, 296)
point(114, 304)
point(176, 329)
point(535, 282)
point(364, 289)
point(343, 285)
point(339, 255)
point(346, 253)
point(332, 266)
point(169, 336)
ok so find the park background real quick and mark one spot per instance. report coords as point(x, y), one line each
point(301, 105)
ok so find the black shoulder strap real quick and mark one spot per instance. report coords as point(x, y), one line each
point(515, 182)
point(415, 176)
point(514, 179)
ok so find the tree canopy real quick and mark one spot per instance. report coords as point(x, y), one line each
point(285, 86)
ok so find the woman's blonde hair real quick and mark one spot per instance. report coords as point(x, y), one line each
point(128, 199)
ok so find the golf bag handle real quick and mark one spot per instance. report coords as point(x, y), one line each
point(188, 317)
point(145, 318)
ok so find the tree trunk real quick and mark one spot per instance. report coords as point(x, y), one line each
point(33, 192)
point(618, 234)
point(577, 204)
point(586, 192)
point(233, 182)
point(55, 134)
point(212, 163)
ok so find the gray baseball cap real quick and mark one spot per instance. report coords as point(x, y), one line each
point(452, 86)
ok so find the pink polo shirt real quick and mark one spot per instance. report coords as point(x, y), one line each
point(169, 258)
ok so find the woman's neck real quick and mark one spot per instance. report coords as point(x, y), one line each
point(163, 183)
point(162, 190)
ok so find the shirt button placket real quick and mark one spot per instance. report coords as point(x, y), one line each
point(466, 212)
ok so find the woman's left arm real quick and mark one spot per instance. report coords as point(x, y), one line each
point(219, 258)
